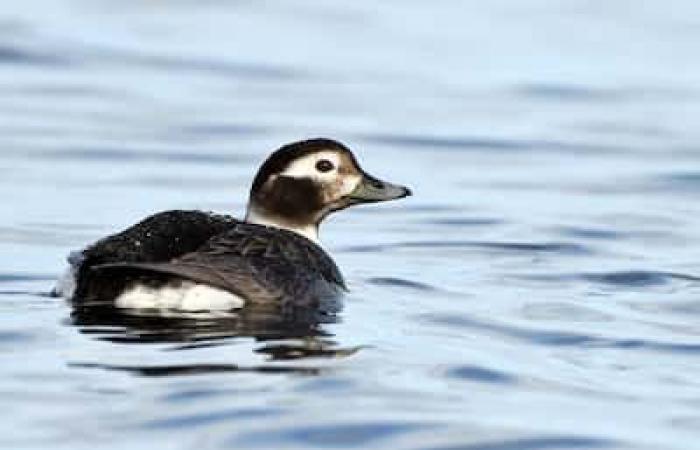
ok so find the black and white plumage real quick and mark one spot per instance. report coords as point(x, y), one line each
point(197, 261)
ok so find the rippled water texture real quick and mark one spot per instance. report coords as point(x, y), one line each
point(541, 290)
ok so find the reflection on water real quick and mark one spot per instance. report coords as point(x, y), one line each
point(539, 291)
point(141, 326)
point(292, 333)
point(197, 369)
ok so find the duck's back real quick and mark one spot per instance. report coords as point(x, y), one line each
point(256, 263)
point(158, 238)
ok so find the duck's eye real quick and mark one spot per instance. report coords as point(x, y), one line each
point(324, 165)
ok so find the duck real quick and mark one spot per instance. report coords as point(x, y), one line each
point(190, 260)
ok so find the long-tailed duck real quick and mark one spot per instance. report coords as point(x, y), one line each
point(199, 261)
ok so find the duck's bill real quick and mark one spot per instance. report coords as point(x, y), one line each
point(371, 189)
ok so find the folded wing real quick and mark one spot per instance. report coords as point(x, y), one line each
point(158, 238)
point(252, 261)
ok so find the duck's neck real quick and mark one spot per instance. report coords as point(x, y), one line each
point(261, 217)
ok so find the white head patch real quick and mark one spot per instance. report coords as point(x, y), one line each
point(336, 183)
point(305, 167)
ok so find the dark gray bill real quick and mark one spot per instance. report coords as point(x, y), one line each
point(371, 189)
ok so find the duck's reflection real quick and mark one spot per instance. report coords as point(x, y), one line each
point(284, 333)
point(151, 326)
point(198, 369)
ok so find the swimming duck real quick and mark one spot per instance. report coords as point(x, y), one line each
point(200, 261)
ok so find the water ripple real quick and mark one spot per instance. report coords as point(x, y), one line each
point(463, 143)
point(12, 55)
point(211, 417)
point(12, 277)
point(636, 278)
point(14, 337)
point(623, 278)
point(480, 374)
point(464, 221)
point(311, 349)
point(400, 282)
point(570, 92)
point(561, 338)
point(681, 181)
point(197, 369)
point(589, 233)
point(183, 63)
point(566, 248)
point(448, 143)
point(222, 129)
point(535, 443)
point(122, 154)
point(345, 435)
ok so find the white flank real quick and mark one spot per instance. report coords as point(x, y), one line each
point(186, 296)
point(66, 284)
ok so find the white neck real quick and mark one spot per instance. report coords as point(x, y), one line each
point(253, 215)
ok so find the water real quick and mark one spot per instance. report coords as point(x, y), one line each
point(541, 290)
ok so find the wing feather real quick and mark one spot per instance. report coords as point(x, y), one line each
point(158, 238)
point(253, 261)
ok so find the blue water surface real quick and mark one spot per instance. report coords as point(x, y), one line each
point(541, 289)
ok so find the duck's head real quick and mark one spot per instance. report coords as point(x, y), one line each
point(303, 182)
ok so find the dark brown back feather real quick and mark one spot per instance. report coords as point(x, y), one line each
point(259, 263)
point(158, 238)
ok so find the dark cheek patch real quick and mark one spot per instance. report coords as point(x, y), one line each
point(296, 199)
